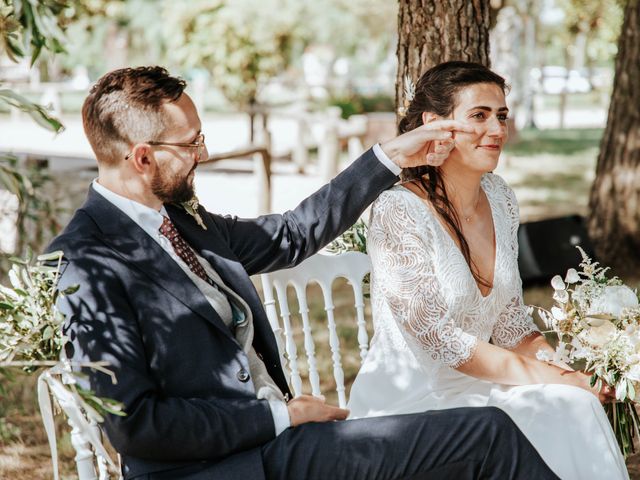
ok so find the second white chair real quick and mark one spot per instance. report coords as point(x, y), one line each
point(323, 269)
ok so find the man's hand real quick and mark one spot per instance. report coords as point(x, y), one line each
point(428, 144)
point(306, 408)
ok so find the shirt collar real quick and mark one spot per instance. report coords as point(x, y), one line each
point(147, 218)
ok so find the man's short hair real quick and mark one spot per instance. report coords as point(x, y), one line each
point(125, 107)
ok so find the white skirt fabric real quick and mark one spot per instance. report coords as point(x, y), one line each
point(566, 425)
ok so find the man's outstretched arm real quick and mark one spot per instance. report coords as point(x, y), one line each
point(272, 242)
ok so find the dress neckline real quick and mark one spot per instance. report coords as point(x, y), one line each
point(445, 232)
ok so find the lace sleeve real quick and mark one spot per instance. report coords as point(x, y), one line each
point(514, 323)
point(403, 266)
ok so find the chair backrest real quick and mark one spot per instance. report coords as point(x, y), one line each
point(93, 462)
point(323, 269)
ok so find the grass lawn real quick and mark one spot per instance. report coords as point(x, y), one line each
point(551, 172)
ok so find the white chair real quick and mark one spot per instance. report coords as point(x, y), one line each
point(93, 462)
point(323, 269)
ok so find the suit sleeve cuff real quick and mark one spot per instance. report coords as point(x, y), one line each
point(385, 160)
point(280, 415)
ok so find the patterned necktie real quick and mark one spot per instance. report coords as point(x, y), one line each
point(183, 250)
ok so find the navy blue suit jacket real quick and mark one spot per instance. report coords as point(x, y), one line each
point(177, 365)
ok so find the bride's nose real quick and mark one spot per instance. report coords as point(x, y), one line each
point(496, 128)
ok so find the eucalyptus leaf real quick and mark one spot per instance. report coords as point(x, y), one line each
point(47, 257)
point(47, 334)
point(71, 290)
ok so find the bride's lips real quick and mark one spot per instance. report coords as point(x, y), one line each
point(492, 147)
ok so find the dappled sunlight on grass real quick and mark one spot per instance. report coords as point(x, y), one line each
point(554, 141)
point(551, 171)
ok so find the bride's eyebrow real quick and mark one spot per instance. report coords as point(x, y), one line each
point(488, 109)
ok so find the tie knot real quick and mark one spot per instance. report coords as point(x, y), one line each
point(168, 229)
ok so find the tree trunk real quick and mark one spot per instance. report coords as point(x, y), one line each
point(435, 31)
point(614, 224)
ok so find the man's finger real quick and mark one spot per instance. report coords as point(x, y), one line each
point(450, 125)
point(336, 413)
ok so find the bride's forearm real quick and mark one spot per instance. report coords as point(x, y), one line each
point(498, 365)
point(531, 345)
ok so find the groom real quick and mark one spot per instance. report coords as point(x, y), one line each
point(165, 298)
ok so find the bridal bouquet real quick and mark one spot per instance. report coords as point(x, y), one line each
point(597, 321)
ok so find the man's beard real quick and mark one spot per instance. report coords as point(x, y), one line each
point(172, 189)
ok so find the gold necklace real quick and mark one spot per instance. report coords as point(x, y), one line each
point(475, 209)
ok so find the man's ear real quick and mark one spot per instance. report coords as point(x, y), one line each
point(428, 117)
point(141, 158)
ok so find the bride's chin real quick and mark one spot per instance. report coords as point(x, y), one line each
point(485, 164)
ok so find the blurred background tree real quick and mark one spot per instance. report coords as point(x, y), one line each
point(614, 222)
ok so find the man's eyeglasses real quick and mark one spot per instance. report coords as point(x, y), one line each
point(197, 143)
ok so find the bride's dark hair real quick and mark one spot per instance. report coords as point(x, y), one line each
point(436, 92)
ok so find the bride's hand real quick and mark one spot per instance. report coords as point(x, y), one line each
point(428, 144)
point(605, 393)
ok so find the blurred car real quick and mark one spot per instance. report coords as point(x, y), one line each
point(556, 79)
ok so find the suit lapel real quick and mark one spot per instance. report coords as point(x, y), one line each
point(143, 253)
point(211, 247)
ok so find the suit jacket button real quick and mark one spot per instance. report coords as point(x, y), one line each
point(243, 375)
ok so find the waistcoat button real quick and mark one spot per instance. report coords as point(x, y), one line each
point(243, 375)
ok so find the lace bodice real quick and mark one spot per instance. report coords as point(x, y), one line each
point(424, 296)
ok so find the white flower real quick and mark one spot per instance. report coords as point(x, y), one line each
point(561, 354)
point(599, 333)
point(561, 296)
point(543, 356)
point(558, 313)
point(191, 207)
point(544, 316)
point(580, 350)
point(557, 283)
point(633, 360)
point(613, 300)
point(572, 276)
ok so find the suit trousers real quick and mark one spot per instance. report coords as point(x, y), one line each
point(460, 444)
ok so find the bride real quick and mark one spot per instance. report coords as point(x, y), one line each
point(451, 329)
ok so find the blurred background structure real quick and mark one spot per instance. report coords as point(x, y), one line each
point(291, 91)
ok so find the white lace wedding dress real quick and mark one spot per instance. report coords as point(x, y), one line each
point(428, 316)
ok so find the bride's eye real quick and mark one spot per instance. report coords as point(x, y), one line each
point(503, 117)
point(478, 116)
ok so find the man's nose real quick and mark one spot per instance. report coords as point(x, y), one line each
point(202, 154)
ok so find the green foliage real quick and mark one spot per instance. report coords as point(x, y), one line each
point(352, 240)
point(37, 112)
point(358, 104)
point(31, 326)
point(600, 20)
point(37, 215)
point(243, 43)
point(29, 27)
